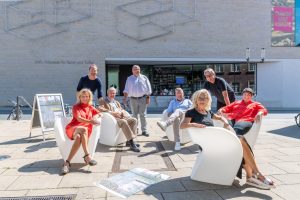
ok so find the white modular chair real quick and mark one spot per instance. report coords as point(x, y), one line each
point(221, 155)
point(183, 134)
point(111, 133)
point(252, 134)
point(65, 144)
point(220, 124)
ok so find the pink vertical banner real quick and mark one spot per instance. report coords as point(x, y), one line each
point(283, 19)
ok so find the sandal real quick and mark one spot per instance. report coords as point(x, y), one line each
point(66, 168)
point(91, 162)
point(265, 180)
point(265, 184)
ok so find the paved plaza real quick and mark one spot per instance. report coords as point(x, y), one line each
point(33, 168)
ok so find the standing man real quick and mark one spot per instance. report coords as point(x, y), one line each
point(138, 89)
point(219, 88)
point(91, 81)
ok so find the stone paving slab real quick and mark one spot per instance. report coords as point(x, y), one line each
point(247, 194)
point(289, 167)
point(192, 195)
point(289, 192)
point(6, 181)
point(288, 178)
point(36, 182)
point(56, 191)
point(13, 193)
point(34, 166)
point(81, 179)
point(139, 197)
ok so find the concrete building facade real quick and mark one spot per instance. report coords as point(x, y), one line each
point(46, 46)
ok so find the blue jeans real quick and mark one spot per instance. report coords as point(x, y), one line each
point(240, 127)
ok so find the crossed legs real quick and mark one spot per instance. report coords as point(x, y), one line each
point(80, 137)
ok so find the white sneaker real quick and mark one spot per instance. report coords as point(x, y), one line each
point(162, 125)
point(177, 146)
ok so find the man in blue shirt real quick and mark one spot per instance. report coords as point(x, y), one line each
point(91, 81)
point(177, 108)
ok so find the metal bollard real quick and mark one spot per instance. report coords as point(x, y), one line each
point(18, 109)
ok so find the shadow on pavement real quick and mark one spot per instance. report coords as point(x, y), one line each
point(185, 188)
point(52, 167)
point(25, 140)
point(289, 131)
point(36, 147)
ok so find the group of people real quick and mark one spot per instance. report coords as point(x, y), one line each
point(85, 115)
point(182, 113)
point(240, 115)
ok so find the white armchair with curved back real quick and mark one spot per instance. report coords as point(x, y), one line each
point(111, 133)
point(65, 144)
point(221, 155)
point(252, 134)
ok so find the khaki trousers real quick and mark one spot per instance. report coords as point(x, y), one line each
point(128, 126)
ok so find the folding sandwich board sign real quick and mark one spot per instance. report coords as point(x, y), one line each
point(45, 108)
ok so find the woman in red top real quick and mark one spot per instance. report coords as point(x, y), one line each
point(241, 115)
point(80, 128)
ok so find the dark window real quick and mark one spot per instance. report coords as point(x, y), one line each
point(165, 78)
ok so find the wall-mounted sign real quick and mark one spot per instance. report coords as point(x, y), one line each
point(285, 23)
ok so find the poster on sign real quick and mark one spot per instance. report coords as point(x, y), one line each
point(46, 108)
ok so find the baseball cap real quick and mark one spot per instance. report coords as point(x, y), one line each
point(248, 90)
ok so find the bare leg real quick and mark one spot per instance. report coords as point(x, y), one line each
point(84, 142)
point(76, 145)
point(249, 159)
point(250, 164)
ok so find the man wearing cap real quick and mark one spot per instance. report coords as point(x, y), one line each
point(138, 89)
point(219, 88)
point(91, 81)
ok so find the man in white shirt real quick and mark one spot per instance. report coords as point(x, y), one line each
point(138, 89)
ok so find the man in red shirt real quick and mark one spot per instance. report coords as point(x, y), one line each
point(244, 112)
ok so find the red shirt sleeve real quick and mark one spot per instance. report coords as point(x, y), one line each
point(260, 107)
point(95, 111)
point(229, 108)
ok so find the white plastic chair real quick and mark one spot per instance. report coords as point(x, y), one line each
point(220, 124)
point(252, 134)
point(220, 158)
point(183, 134)
point(111, 133)
point(65, 144)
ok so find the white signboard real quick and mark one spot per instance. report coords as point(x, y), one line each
point(45, 108)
